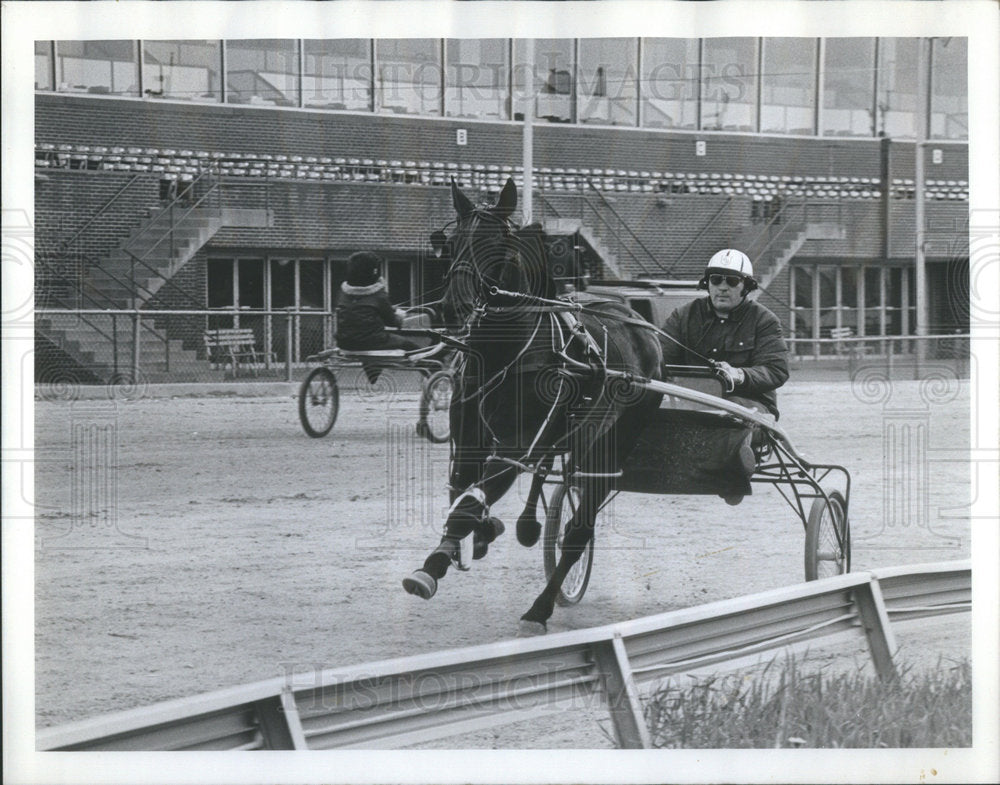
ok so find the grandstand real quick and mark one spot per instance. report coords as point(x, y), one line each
point(189, 185)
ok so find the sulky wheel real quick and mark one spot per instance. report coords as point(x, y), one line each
point(828, 538)
point(563, 505)
point(435, 407)
point(319, 402)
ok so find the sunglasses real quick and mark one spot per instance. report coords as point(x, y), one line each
point(731, 280)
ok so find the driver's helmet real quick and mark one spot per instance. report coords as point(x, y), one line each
point(364, 268)
point(729, 261)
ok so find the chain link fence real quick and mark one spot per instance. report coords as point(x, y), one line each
point(139, 347)
point(894, 357)
point(135, 347)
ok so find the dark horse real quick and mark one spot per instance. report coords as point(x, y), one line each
point(543, 377)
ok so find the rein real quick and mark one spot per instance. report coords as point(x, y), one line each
point(651, 327)
point(542, 304)
point(566, 327)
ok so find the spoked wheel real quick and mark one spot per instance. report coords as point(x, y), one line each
point(562, 507)
point(319, 402)
point(828, 538)
point(435, 407)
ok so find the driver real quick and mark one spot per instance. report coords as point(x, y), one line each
point(741, 336)
point(364, 311)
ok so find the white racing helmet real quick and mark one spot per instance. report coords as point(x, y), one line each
point(732, 262)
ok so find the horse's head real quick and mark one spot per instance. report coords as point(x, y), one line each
point(485, 250)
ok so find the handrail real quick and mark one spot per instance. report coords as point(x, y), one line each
point(103, 209)
point(134, 286)
point(548, 205)
point(429, 696)
point(181, 195)
point(622, 222)
point(788, 206)
point(98, 307)
point(615, 236)
point(215, 188)
point(711, 221)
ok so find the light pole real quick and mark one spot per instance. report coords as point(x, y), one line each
point(527, 139)
point(920, 271)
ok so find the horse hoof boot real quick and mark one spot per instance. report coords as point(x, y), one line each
point(420, 584)
point(528, 530)
point(530, 629)
point(481, 542)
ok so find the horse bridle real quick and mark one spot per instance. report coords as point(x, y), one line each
point(483, 283)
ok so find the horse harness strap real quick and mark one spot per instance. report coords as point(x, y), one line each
point(593, 357)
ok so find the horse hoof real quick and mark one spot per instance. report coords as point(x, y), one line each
point(493, 528)
point(528, 531)
point(530, 629)
point(420, 584)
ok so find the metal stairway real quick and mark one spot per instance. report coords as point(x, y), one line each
point(151, 255)
point(108, 346)
point(101, 348)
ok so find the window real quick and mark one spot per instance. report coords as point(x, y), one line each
point(477, 78)
point(848, 299)
point(606, 81)
point(408, 76)
point(297, 284)
point(236, 283)
point(670, 83)
point(550, 84)
point(262, 72)
point(250, 275)
point(874, 296)
point(282, 283)
point(949, 88)
point(182, 70)
point(337, 74)
point(869, 300)
point(97, 67)
point(220, 283)
point(848, 87)
point(801, 305)
point(729, 97)
point(788, 86)
point(311, 283)
point(43, 65)
point(897, 93)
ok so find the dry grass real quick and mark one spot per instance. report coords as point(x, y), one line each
point(791, 709)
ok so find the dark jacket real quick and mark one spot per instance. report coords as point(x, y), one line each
point(363, 312)
point(748, 338)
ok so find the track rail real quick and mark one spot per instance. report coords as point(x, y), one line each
point(398, 702)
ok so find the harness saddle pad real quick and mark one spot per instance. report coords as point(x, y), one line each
point(687, 452)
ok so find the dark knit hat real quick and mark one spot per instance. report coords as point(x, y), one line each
point(363, 268)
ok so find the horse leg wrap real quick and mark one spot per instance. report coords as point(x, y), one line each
point(465, 521)
point(486, 531)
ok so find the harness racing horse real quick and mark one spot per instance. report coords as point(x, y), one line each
point(543, 377)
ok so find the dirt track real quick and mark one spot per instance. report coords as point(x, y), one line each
point(238, 549)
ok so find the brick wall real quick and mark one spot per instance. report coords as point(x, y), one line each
point(337, 218)
point(947, 229)
point(110, 122)
point(67, 201)
point(342, 217)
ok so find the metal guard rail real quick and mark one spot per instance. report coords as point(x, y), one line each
point(415, 699)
